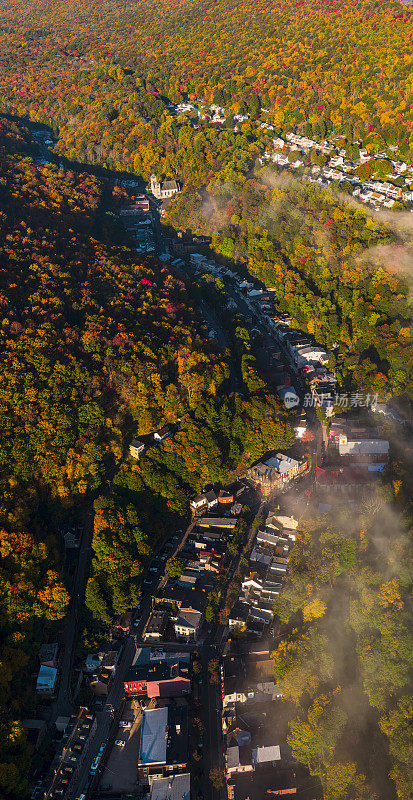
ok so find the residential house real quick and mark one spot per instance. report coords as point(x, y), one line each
point(158, 679)
point(238, 616)
point(238, 760)
point(266, 589)
point(265, 477)
point(136, 448)
point(265, 755)
point(198, 504)
point(93, 662)
point(261, 554)
point(111, 657)
point(176, 787)
point(46, 681)
point(100, 682)
point(48, 655)
point(164, 433)
point(156, 626)
point(344, 480)
point(188, 624)
point(203, 502)
point(358, 444)
point(278, 521)
point(225, 497)
point(217, 522)
point(74, 747)
point(287, 467)
point(174, 596)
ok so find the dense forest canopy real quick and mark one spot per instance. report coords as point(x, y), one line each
point(104, 74)
point(345, 664)
point(90, 341)
point(100, 345)
point(319, 254)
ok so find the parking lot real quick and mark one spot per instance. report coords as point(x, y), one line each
point(121, 773)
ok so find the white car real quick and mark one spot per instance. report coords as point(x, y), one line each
point(120, 743)
point(125, 724)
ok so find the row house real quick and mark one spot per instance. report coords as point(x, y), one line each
point(74, 747)
point(267, 589)
point(159, 679)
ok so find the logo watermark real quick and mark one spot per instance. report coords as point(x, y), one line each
point(344, 400)
point(291, 399)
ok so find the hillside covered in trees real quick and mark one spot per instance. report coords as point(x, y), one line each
point(105, 81)
point(104, 76)
point(321, 255)
point(344, 666)
point(97, 345)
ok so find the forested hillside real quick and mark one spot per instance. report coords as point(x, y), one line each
point(97, 346)
point(345, 665)
point(104, 74)
point(320, 254)
point(104, 78)
point(85, 329)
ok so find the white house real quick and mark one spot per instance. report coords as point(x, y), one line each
point(188, 624)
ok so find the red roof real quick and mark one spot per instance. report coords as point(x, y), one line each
point(174, 687)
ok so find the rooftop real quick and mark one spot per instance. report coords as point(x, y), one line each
point(240, 611)
point(282, 463)
point(217, 522)
point(157, 671)
point(189, 619)
point(261, 755)
point(46, 678)
point(154, 736)
point(157, 622)
point(175, 787)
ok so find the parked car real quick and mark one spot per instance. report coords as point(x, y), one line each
point(120, 743)
point(94, 765)
point(124, 723)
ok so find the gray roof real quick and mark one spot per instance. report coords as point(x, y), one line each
point(169, 185)
point(261, 755)
point(153, 738)
point(189, 619)
point(175, 787)
point(233, 757)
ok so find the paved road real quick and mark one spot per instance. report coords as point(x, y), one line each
point(63, 705)
point(105, 717)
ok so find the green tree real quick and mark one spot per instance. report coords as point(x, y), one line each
point(174, 567)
